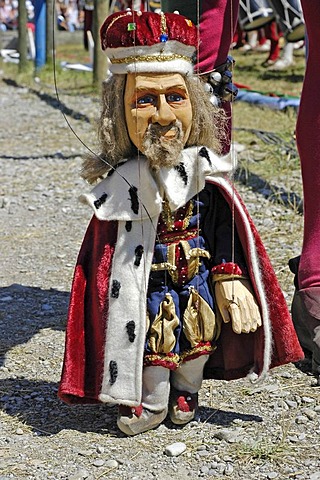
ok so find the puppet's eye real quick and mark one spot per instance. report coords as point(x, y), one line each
point(174, 97)
point(146, 100)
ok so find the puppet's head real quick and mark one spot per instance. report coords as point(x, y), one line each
point(153, 104)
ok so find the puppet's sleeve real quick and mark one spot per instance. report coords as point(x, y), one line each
point(222, 237)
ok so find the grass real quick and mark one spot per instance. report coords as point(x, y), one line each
point(73, 82)
point(273, 157)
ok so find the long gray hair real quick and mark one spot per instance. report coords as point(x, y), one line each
point(208, 126)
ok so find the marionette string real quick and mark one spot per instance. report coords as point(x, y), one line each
point(99, 157)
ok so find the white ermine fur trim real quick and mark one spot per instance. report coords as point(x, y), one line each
point(111, 198)
point(166, 57)
point(129, 306)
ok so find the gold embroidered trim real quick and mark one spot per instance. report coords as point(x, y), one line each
point(175, 358)
point(171, 255)
point(221, 277)
point(164, 29)
point(194, 351)
point(150, 58)
point(198, 252)
point(169, 217)
point(117, 18)
point(178, 236)
point(178, 359)
point(156, 267)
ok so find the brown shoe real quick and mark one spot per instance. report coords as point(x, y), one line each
point(182, 406)
point(305, 311)
point(308, 329)
point(132, 421)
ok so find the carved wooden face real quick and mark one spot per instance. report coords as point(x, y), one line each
point(161, 99)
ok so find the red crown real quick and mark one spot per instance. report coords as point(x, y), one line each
point(149, 42)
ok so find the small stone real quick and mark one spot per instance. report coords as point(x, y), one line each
point(175, 449)
point(85, 453)
point(100, 449)
point(228, 469)
point(311, 414)
point(81, 474)
point(301, 419)
point(19, 431)
point(307, 400)
point(111, 463)
point(230, 436)
point(204, 469)
point(291, 403)
point(272, 475)
point(98, 462)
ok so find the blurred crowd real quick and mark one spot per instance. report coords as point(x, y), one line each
point(8, 15)
point(69, 15)
point(271, 40)
point(72, 14)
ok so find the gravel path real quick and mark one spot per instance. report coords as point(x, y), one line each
point(243, 430)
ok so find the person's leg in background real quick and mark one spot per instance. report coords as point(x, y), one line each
point(272, 34)
point(306, 304)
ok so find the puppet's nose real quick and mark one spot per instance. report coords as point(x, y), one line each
point(164, 114)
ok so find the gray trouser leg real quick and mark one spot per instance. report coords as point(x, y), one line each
point(188, 377)
point(155, 388)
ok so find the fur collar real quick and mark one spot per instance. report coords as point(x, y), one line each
point(134, 192)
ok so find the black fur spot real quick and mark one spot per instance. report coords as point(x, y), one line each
point(115, 289)
point(100, 201)
point(138, 253)
point(182, 172)
point(130, 330)
point(203, 152)
point(128, 226)
point(113, 369)
point(111, 172)
point(134, 199)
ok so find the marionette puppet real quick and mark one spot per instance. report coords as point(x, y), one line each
point(172, 283)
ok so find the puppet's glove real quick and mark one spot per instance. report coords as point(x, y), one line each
point(236, 302)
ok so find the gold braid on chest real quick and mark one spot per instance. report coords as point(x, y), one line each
point(169, 217)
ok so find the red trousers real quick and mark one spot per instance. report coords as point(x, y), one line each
point(308, 143)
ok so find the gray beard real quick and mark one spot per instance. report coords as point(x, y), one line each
point(160, 152)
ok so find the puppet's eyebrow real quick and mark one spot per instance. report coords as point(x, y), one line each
point(145, 88)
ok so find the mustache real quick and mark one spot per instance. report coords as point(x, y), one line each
point(157, 131)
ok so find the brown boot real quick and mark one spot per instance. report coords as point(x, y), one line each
point(306, 304)
point(305, 310)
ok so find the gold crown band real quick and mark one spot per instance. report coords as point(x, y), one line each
point(164, 29)
point(117, 18)
point(150, 58)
